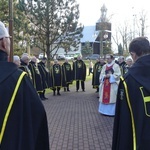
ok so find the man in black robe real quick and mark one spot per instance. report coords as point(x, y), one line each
point(56, 78)
point(96, 73)
point(132, 118)
point(122, 65)
point(24, 65)
point(45, 74)
point(23, 121)
point(36, 77)
point(67, 75)
point(79, 72)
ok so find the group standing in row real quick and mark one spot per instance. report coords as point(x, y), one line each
point(56, 77)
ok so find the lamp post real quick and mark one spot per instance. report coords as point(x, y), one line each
point(105, 36)
point(101, 43)
point(11, 28)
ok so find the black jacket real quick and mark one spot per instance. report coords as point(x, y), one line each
point(26, 126)
point(132, 118)
point(79, 70)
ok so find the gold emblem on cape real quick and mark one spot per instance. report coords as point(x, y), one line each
point(56, 69)
point(121, 94)
point(37, 70)
point(68, 67)
point(99, 69)
point(79, 64)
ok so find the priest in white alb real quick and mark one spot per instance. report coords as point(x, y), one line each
point(109, 80)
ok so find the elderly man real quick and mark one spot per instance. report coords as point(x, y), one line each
point(22, 116)
point(45, 74)
point(36, 77)
point(67, 75)
point(96, 73)
point(25, 59)
point(79, 72)
point(122, 64)
point(16, 60)
point(129, 63)
point(56, 77)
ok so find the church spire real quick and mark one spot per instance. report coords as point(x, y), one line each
point(103, 17)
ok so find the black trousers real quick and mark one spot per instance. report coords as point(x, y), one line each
point(67, 87)
point(78, 85)
point(58, 89)
point(90, 70)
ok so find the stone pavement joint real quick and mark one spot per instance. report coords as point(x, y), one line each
point(74, 122)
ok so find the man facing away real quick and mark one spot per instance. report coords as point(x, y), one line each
point(23, 121)
point(132, 117)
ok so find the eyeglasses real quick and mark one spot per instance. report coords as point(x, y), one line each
point(5, 37)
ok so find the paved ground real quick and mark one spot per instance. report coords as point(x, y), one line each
point(74, 122)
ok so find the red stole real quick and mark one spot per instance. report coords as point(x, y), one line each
point(106, 88)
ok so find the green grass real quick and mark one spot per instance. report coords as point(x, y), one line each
point(88, 78)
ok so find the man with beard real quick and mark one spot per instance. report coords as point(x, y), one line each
point(23, 120)
point(132, 117)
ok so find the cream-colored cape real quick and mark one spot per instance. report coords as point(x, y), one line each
point(114, 80)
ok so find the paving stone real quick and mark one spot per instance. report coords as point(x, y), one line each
point(74, 122)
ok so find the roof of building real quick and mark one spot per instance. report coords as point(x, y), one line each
point(89, 34)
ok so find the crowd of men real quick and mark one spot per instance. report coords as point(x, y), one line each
point(56, 77)
point(62, 75)
point(123, 92)
point(106, 77)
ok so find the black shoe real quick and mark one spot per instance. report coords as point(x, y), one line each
point(64, 89)
point(43, 99)
point(76, 90)
point(68, 90)
point(58, 94)
point(83, 90)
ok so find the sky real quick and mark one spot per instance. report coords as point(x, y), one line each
point(118, 10)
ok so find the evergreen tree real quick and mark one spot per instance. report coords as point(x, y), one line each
point(120, 49)
point(53, 22)
point(87, 49)
point(107, 48)
point(19, 22)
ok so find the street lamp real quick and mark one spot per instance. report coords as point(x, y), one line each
point(11, 28)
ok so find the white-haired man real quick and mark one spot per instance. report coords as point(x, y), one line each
point(23, 119)
point(16, 60)
point(79, 72)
